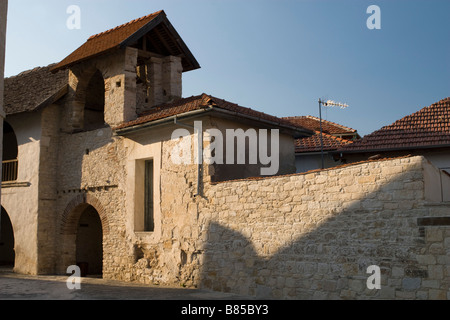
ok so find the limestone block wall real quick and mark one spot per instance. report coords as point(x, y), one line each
point(119, 74)
point(91, 172)
point(435, 256)
point(313, 236)
point(47, 185)
point(301, 236)
point(159, 256)
point(173, 252)
point(164, 79)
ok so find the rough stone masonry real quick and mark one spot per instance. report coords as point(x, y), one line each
point(314, 235)
point(306, 236)
point(300, 236)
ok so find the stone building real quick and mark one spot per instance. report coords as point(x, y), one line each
point(425, 133)
point(100, 154)
point(89, 177)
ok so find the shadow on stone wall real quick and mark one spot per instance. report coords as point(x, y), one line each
point(328, 261)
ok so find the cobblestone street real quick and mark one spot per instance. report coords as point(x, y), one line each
point(20, 287)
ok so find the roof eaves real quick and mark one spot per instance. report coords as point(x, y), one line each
point(149, 124)
point(182, 44)
point(162, 18)
point(143, 30)
point(46, 102)
point(296, 131)
point(435, 146)
point(326, 148)
point(61, 66)
point(53, 98)
point(334, 124)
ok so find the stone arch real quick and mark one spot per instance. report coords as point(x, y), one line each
point(88, 97)
point(69, 228)
point(75, 208)
point(83, 75)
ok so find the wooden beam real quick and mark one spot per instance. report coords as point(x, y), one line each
point(144, 43)
point(189, 61)
point(189, 56)
point(143, 31)
point(164, 42)
point(149, 54)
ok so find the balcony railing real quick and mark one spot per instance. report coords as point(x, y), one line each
point(9, 170)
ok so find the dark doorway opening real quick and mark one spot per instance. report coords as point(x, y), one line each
point(10, 154)
point(7, 254)
point(89, 243)
point(94, 110)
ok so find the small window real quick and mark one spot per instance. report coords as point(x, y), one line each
point(149, 223)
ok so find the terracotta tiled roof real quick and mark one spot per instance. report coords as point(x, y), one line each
point(313, 144)
point(32, 89)
point(429, 127)
point(105, 41)
point(120, 36)
point(313, 123)
point(203, 101)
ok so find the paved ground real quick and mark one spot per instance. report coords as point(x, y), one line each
point(20, 287)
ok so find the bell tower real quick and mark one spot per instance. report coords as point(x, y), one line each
point(120, 73)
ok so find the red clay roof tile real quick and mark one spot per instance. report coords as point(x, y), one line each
point(128, 33)
point(313, 143)
point(428, 127)
point(184, 105)
point(105, 41)
point(313, 123)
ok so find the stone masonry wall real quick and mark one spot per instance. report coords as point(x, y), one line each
point(172, 253)
point(48, 156)
point(302, 236)
point(169, 254)
point(90, 172)
point(313, 236)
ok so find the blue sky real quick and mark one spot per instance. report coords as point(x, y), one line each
point(275, 56)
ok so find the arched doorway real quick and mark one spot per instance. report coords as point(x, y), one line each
point(84, 225)
point(7, 255)
point(89, 243)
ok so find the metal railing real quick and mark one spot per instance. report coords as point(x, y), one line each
point(9, 170)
